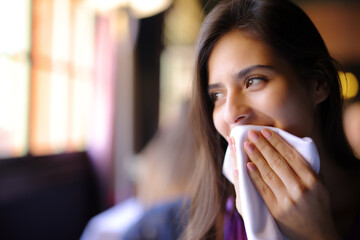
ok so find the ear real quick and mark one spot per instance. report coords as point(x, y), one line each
point(320, 88)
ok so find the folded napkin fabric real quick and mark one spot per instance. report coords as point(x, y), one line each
point(259, 223)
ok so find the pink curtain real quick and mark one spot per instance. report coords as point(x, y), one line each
point(101, 140)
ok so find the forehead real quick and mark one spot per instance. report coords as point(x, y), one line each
point(237, 50)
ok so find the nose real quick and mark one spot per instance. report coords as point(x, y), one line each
point(237, 110)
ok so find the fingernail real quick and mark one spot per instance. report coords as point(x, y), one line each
point(266, 133)
point(250, 166)
point(254, 136)
point(249, 147)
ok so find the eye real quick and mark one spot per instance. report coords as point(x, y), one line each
point(215, 96)
point(253, 81)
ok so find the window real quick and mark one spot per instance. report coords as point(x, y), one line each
point(14, 76)
point(46, 76)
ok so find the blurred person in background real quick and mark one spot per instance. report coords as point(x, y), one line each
point(352, 124)
point(162, 172)
point(166, 163)
point(166, 167)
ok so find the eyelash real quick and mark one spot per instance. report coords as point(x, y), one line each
point(214, 95)
point(252, 78)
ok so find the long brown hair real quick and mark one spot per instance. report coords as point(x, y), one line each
point(291, 34)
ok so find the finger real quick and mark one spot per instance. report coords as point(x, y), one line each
point(263, 189)
point(296, 162)
point(233, 152)
point(268, 175)
point(231, 142)
point(234, 162)
point(275, 160)
point(237, 190)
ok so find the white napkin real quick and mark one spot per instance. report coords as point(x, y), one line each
point(259, 223)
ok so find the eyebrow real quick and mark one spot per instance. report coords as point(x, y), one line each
point(248, 70)
point(242, 73)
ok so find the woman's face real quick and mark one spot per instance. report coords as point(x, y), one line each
point(250, 84)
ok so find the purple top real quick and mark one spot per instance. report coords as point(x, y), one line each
point(234, 225)
point(235, 229)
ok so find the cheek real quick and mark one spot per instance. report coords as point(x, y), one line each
point(298, 118)
point(271, 103)
point(288, 111)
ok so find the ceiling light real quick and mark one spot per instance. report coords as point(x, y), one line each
point(147, 8)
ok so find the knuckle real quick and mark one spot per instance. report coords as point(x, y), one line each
point(290, 155)
point(298, 190)
point(263, 190)
point(284, 207)
point(288, 203)
point(277, 162)
point(312, 181)
point(268, 176)
point(275, 140)
point(261, 145)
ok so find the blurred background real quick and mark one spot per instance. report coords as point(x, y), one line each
point(90, 94)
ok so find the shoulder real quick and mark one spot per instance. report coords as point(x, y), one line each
point(165, 221)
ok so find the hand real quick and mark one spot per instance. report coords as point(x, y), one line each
point(291, 190)
point(231, 143)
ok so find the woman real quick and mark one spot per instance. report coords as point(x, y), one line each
point(263, 62)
